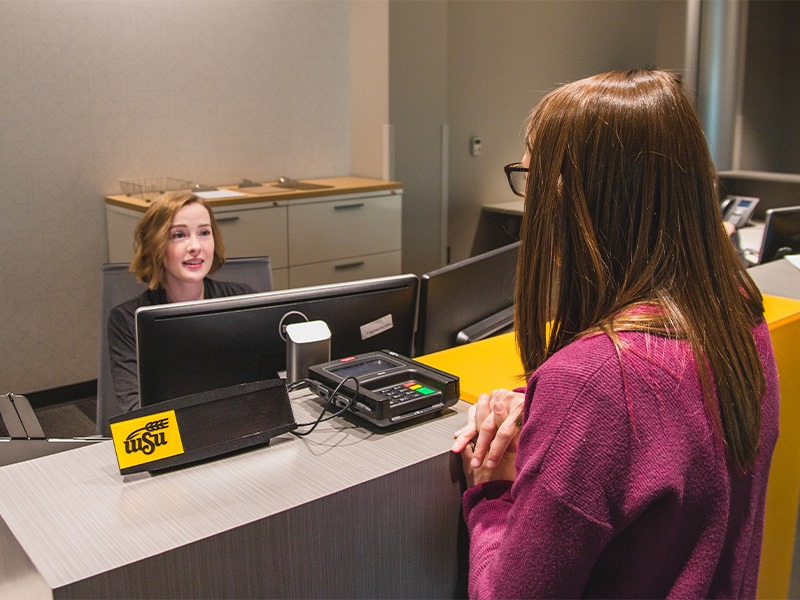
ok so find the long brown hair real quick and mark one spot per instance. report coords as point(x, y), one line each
point(622, 232)
point(151, 237)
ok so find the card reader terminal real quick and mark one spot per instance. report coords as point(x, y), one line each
point(392, 389)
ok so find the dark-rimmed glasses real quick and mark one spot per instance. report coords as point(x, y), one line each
point(517, 174)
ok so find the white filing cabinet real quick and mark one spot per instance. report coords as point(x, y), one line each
point(310, 240)
point(257, 232)
point(354, 237)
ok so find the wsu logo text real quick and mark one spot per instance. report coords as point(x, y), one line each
point(146, 439)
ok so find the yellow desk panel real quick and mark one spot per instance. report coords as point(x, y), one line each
point(783, 491)
point(481, 366)
point(494, 363)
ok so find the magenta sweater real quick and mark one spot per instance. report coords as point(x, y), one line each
point(622, 500)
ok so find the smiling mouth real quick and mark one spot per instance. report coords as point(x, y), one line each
point(195, 262)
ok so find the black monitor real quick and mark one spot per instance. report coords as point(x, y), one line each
point(781, 234)
point(467, 301)
point(191, 347)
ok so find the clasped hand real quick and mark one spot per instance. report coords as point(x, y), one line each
point(488, 442)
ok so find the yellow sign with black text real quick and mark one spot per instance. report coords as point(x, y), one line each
point(146, 439)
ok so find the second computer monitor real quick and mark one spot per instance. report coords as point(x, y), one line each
point(781, 234)
point(467, 300)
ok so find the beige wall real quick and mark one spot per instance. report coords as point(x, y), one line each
point(94, 92)
point(369, 88)
point(218, 90)
point(769, 119)
point(504, 55)
point(418, 35)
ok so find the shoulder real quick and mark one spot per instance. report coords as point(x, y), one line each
point(602, 419)
point(570, 385)
point(122, 318)
point(585, 362)
point(579, 359)
point(127, 309)
point(594, 383)
point(595, 395)
point(597, 360)
point(221, 289)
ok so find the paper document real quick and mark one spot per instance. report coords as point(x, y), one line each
point(219, 194)
point(794, 259)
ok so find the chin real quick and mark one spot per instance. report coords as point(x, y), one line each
point(195, 276)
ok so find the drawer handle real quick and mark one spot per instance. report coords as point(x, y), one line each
point(227, 219)
point(348, 206)
point(351, 265)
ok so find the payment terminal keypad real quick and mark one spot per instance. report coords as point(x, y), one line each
point(408, 390)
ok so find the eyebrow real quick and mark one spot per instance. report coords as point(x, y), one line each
point(175, 225)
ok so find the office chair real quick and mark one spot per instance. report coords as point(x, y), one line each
point(118, 285)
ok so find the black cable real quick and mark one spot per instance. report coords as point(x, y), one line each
point(308, 383)
point(296, 385)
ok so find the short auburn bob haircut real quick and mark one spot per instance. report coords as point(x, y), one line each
point(152, 236)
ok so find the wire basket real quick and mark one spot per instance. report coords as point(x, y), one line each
point(150, 188)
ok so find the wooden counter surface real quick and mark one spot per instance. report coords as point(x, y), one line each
point(270, 192)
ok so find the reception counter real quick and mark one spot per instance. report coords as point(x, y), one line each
point(345, 512)
point(342, 513)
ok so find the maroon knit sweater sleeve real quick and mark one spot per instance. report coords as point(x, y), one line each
point(622, 487)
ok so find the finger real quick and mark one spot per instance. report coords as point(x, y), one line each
point(483, 409)
point(505, 438)
point(470, 426)
point(513, 402)
point(466, 463)
point(466, 433)
point(486, 433)
point(477, 414)
point(491, 451)
point(464, 436)
point(490, 413)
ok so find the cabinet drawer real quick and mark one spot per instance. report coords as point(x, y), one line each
point(256, 232)
point(344, 228)
point(351, 269)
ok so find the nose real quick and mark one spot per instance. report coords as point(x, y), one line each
point(193, 244)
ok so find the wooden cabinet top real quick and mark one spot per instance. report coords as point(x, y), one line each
point(271, 192)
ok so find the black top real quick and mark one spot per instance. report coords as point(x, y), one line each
point(122, 338)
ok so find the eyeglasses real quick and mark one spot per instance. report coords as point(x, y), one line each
point(517, 174)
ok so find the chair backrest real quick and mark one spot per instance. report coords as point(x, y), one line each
point(119, 285)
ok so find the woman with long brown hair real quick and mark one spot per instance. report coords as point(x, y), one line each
point(647, 427)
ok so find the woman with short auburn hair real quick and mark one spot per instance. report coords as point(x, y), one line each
point(151, 237)
point(177, 245)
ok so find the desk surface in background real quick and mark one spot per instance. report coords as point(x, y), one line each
point(777, 278)
point(481, 366)
point(271, 192)
point(511, 207)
